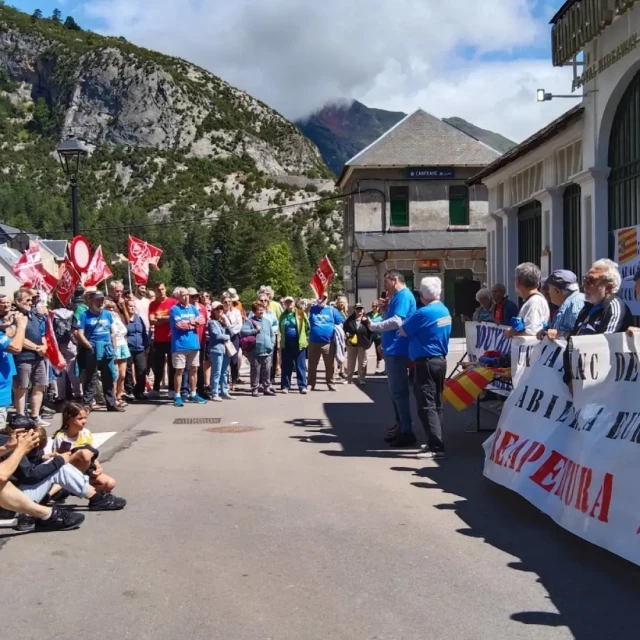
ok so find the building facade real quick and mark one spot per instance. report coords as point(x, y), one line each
point(558, 198)
point(409, 207)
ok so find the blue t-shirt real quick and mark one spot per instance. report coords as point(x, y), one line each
point(182, 340)
point(7, 371)
point(322, 322)
point(403, 304)
point(290, 324)
point(428, 330)
point(96, 326)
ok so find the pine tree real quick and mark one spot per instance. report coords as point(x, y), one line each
point(70, 23)
point(56, 17)
point(41, 116)
point(36, 15)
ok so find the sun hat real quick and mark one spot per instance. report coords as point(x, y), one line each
point(233, 294)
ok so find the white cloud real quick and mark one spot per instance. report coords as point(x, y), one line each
point(400, 54)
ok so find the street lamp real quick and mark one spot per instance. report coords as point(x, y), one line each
point(217, 252)
point(72, 152)
point(545, 96)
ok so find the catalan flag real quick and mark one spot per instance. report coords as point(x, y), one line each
point(627, 245)
point(463, 390)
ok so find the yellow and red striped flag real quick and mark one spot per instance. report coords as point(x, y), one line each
point(463, 390)
point(627, 244)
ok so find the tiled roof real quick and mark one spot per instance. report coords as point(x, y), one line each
point(422, 140)
point(8, 255)
point(421, 240)
point(56, 247)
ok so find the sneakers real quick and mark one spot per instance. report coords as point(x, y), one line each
point(255, 394)
point(426, 454)
point(226, 396)
point(216, 399)
point(153, 395)
point(60, 520)
point(25, 523)
point(196, 400)
point(331, 387)
point(118, 408)
point(106, 502)
point(269, 392)
point(403, 440)
point(304, 391)
point(362, 383)
point(391, 434)
point(178, 402)
point(285, 391)
point(40, 422)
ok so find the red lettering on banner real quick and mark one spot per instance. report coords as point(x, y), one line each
point(507, 450)
point(511, 460)
point(533, 454)
point(548, 471)
point(494, 445)
point(603, 501)
point(509, 438)
point(582, 500)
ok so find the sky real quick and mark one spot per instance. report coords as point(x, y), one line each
point(481, 60)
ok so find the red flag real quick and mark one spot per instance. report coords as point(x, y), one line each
point(98, 270)
point(322, 277)
point(53, 353)
point(30, 271)
point(68, 282)
point(141, 255)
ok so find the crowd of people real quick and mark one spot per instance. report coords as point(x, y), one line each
point(125, 346)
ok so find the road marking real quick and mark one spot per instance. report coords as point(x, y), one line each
point(98, 440)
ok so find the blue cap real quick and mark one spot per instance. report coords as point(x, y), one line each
point(562, 279)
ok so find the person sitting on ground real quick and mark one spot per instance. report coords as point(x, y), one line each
point(36, 480)
point(634, 331)
point(15, 445)
point(219, 335)
point(73, 436)
point(534, 314)
point(484, 313)
point(564, 293)
point(359, 341)
point(257, 341)
point(504, 310)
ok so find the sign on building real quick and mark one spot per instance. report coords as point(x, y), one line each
point(430, 173)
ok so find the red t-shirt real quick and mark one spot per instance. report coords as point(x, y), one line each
point(161, 310)
point(202, 329)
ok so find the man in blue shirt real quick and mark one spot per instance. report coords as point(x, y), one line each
point(8, 347)
point(96, 350)
point(429, 330)
point(184, 319)
point(323, 319)
point(395, 347)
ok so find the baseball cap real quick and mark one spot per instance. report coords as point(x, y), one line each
point(192, 292)
point(358, 305)
point(215, 304)
point(95, 294)
point(287, 298)
point(562, 279)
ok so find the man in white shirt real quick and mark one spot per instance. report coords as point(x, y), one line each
point(142, 304)
point(534, 313)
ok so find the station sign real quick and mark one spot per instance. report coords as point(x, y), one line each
point(430, 173)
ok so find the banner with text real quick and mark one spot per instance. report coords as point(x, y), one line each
point(574, 457)
point(628, 258)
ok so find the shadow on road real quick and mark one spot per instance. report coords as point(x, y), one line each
point(594, 591)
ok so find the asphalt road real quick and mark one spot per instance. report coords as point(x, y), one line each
point(307, 528)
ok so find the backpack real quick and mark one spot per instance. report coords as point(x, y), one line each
point(62, 327)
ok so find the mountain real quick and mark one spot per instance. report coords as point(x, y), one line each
point(342, 130)
point(177, 156)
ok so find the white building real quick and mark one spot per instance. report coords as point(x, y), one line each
point(558, 198)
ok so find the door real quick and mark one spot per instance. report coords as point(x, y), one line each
point(530, 233)
point(460, 297)
point(571, 229)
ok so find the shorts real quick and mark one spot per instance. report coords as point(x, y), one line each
point(122, 352)
point(185, 359)
point(34, 372)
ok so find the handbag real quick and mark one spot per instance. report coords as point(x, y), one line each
point(230, 348)
point(248, 343)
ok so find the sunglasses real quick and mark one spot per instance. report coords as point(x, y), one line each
point(590, 281)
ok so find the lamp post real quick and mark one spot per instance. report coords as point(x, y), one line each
point(72, 152)
point(217, 252)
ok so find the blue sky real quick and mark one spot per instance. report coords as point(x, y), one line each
point(479, 60)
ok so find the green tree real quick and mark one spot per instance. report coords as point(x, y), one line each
point(273, 266)
point(56, 17)
point(41, 116)
point(71, 24)
point(36, 15)
point(181, 273)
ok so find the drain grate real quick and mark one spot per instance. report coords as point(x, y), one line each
point(196, 421)
point(232, 429)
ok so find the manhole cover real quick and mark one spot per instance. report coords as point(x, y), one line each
point(196, 421)
point(232, 429)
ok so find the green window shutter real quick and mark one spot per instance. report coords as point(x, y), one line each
point(458, 205)
point(399, 204)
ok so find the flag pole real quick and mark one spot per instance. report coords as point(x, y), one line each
point(106, 289)
point(129, 272)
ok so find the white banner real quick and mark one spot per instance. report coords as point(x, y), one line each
point(487, 336)
point(576, 457)
point(627, 256)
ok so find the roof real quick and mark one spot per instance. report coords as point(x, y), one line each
point(57, 247)
point(421, 240)
point(9, 230)
point(422, 140)
point(531, 143)
point(8, 255)
point(563, 10)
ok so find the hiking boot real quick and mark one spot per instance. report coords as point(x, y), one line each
point(103, 501)
point(403, 440)
point(60, 520)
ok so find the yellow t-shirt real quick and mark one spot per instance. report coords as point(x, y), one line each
point(63, 443)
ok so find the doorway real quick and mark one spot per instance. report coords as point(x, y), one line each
point(460, 297)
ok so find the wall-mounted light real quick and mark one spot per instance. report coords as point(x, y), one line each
point(543, 96)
